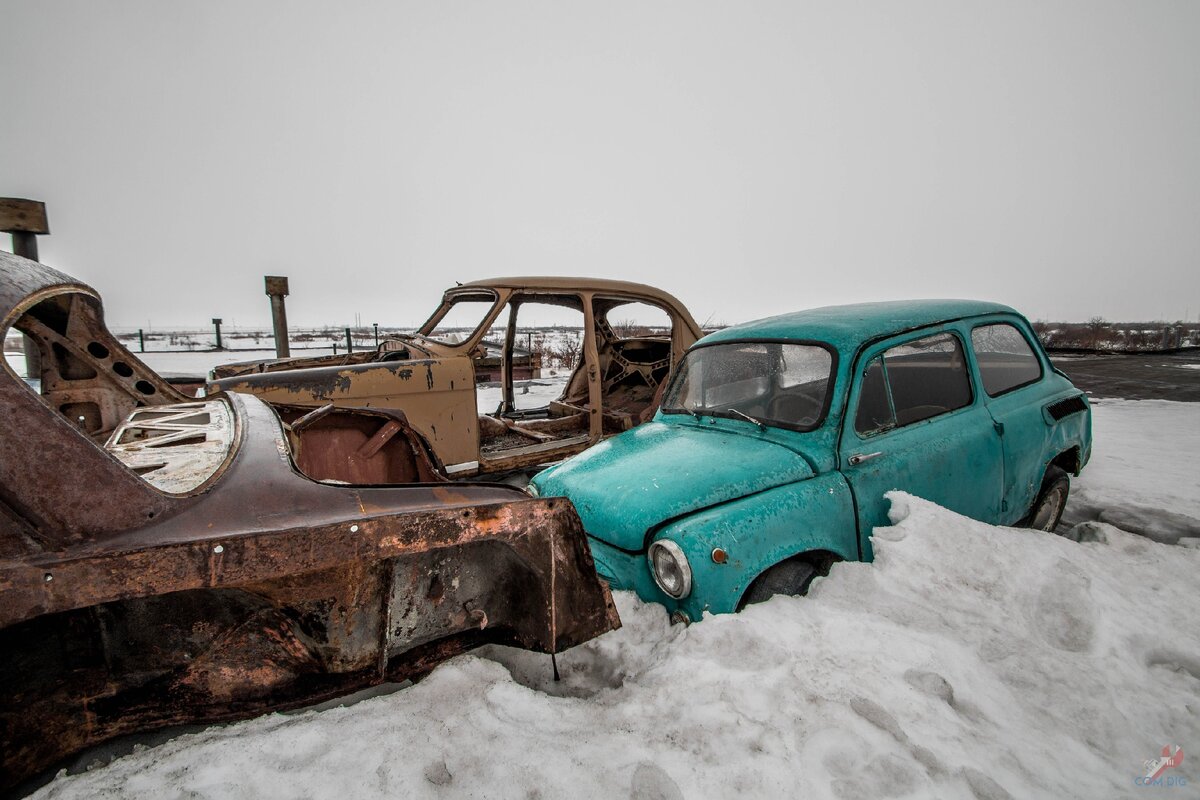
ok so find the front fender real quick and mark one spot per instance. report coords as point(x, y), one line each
point(757, 532)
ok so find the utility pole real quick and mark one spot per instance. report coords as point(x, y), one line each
point(25, 220)
point(277, 289)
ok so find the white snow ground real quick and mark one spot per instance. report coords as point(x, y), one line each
point(968, 661)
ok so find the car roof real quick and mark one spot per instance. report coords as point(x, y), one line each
point(552, 283)
point(847, 327)
point(602, 286)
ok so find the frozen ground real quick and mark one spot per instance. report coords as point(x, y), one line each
point(968, 661)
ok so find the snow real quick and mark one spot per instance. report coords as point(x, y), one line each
point(968, 661)
point(527, 394)
point(1144, 475)
point(199, 362)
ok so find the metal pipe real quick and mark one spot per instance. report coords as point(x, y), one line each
point(277, 289)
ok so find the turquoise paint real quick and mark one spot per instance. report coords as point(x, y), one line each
point(764, 496)
point(847, 327)
point(955, 459)
point(676, 473)
point(755, 532)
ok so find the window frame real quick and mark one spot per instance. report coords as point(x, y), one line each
point(831, 385)
point(879, 350)
point(443, 310)
point(979, 365)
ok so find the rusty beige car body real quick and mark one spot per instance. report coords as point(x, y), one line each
point(616, 384)
point(167, 560)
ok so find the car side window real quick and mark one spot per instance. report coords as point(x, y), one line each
point(874, 404)
point(912, 382)
point(1006, 361)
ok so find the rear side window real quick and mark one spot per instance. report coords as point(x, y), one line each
point(912, 382)
point(1006, 361)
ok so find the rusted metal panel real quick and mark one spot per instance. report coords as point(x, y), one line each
point(436, 395)
point(166, 562)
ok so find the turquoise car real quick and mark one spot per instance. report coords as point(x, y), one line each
point(776, 441)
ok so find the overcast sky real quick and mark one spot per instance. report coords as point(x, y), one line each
point(751, 158)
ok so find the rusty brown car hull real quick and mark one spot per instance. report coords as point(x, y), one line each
point(286, 568)
point(614, 385)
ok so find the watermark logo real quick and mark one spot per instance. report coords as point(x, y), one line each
point(1155, 767)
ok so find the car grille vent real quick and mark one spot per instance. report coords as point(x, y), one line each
point(1063, 408)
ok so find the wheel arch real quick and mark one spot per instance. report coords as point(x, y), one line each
point(1069, 461)
point(813, 516)
point(823, 560)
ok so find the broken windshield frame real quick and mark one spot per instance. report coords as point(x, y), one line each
point(783, 384)
point(460, 317)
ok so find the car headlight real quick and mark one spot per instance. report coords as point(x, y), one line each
point(670, 568)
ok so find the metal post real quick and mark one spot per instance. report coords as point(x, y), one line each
point(375, 325)
point(25, 220)
point(141, 341)
point(349, 342)
point(217, 325)
point(277, 289)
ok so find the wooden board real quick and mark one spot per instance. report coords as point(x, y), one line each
point(23, 216)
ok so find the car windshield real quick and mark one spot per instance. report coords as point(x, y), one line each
point(769, 383)
point(463, 316)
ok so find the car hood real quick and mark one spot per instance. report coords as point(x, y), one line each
point(656, 472)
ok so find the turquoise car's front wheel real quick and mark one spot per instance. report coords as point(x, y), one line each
point(791, 577)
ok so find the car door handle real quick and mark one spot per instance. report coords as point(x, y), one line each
point(859, 458)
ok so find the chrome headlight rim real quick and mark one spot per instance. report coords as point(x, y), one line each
point(675, 552)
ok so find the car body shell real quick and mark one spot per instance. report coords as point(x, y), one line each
point(166, 560)
point(613, 387)
point(763, 495)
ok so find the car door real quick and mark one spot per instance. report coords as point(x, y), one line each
point(915, 423)
point(1011, 373)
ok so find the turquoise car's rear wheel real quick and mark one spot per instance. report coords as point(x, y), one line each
point(1051, 500)
point(791, 577)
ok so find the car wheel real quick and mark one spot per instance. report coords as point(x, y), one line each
point(1051, 500)
point(791, 577)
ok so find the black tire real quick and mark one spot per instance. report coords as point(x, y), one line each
point(1051, 500)
point(791, 577)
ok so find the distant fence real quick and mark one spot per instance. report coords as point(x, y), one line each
point(1124, 351)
